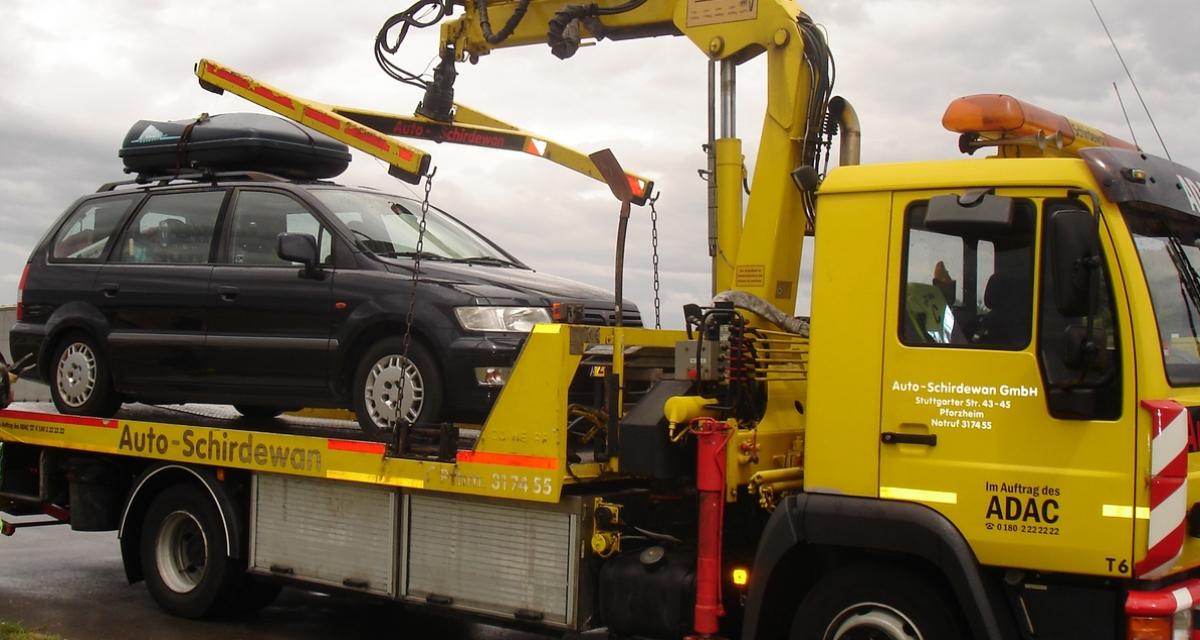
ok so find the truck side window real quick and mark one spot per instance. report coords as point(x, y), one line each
point(85, 234)
point(174, 228)
point(258, 219)
point(971, 287)
point(1082, 382)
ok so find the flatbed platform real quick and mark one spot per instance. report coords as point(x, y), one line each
point(219, 416)
point(217, 435)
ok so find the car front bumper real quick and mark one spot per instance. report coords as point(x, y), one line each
point(467, 400)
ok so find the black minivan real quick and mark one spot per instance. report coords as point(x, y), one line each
point(272, 294)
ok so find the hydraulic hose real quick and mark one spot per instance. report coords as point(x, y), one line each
point(764, 310)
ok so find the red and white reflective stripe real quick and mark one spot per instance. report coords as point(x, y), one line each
point(1180, 597)
point(79, 421)
point(1168, 487)
point(535, 146)
point(507, 459)
point(374, 448)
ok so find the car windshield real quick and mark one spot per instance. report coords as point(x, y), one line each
point(388, 225)
point(1167, 246)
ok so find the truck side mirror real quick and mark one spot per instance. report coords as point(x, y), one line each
point(299, 247)
point(1074, 247)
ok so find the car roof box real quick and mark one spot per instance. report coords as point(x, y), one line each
point(232, 142)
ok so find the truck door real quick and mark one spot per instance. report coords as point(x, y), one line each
point(988, 414)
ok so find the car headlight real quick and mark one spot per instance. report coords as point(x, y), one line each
point(501, 318)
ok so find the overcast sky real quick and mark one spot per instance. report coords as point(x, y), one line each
point(79, 74)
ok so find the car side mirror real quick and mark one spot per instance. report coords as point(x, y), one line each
point(302, 248)
point(1075, 246)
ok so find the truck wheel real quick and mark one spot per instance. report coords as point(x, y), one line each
point(188, 571)
point(81, 381)
point(377, 387)
point(876, 602)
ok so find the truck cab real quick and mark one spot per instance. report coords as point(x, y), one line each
point(1033, 323)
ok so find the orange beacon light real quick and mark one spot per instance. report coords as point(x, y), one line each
point(1020, 128)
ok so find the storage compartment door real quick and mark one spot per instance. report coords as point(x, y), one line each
point(334, 533)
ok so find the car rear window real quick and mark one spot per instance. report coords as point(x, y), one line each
point(86, 232)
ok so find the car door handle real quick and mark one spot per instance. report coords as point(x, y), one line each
point(227, 293)
point(110, 289)
point(927, 439)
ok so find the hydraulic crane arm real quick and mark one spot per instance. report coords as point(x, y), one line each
point(759, 254)
point(475, 128)
point(405, 162)
point(373, 131)
point(479, 31)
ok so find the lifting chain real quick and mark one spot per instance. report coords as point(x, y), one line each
point(412, 306)
point(654, 260)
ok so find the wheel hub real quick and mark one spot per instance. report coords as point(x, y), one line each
point(872, 621)
point(384, 386)
point(76, 374)
point(182, 552)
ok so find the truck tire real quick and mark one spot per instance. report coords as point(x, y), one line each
point(187, 568)
point(376, 386)
point(876, 602)
point(80, 378)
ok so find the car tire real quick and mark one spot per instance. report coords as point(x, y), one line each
point(877, 601)
point(258, 411)
point(80, 378)
point(185, 557)
point(376, 386)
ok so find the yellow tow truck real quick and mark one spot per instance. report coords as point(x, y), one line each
point(986, 428)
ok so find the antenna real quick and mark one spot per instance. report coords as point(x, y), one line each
point(1126, 114)
point(1131, 81)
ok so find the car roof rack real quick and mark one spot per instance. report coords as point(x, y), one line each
point(144, 180)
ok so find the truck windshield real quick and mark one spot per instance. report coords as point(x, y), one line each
point(388, 226)
point(1166, 243)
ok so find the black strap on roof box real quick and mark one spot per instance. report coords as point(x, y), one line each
point(232, 142)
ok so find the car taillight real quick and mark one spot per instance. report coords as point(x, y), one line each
point(21, 293)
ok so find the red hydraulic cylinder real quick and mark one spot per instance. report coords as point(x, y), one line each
point(711, 438)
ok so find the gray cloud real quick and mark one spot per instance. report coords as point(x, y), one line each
point(80, 74)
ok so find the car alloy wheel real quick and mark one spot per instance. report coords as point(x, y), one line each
point(394, 391)
point(75, 374)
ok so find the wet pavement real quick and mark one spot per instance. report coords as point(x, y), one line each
point(72, 584)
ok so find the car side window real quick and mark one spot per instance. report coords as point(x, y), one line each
point(258, 219)
point(172, 228)
point(970, 288)
point(86, 232)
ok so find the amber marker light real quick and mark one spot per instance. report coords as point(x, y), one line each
point(1145, 628)
point(741, 577)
